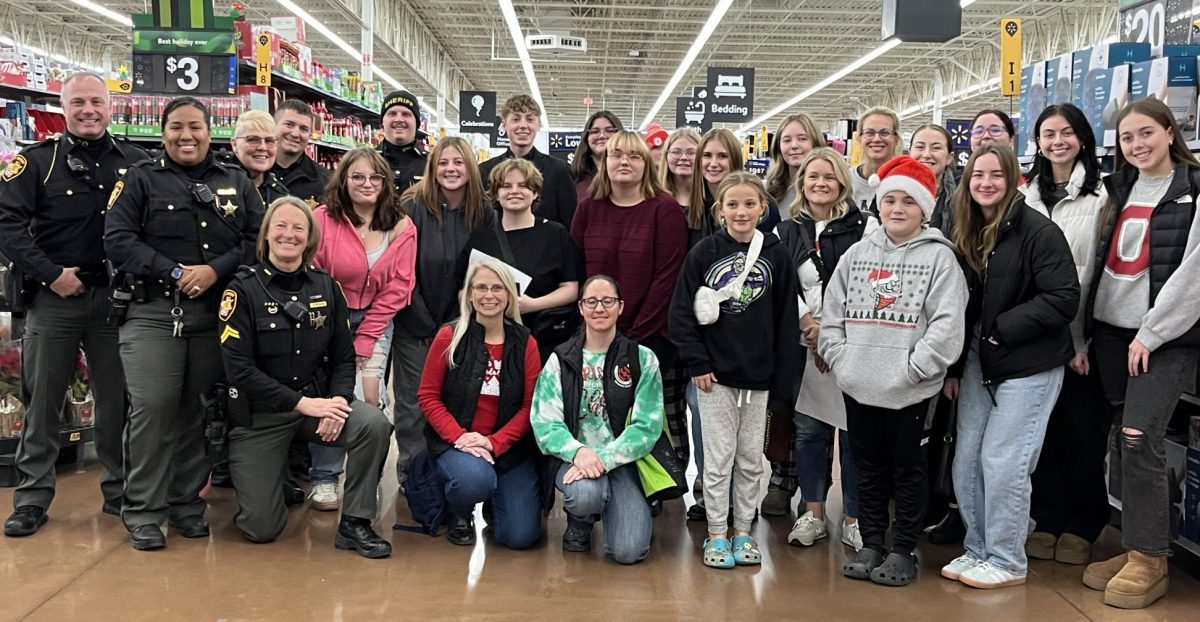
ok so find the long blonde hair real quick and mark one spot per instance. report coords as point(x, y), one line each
point(630, 143)
point(975, 236)
point(466, 311)
point(779, 177)
point(696, 208)
point(666, 178)
point(800, 208)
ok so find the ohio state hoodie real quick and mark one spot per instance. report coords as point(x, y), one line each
point(755, 343)
point(892, 321)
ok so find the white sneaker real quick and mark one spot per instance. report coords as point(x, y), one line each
point(324, 497)
point(959, 565)
point(986, 576)
point(852, 536)
point(806, 530)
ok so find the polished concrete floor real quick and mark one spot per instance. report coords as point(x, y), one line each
point(80, 567)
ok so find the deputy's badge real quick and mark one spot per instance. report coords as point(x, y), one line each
point(228, 304)
point(317, 319)
point(311, 203)
point(116, 192)
point(229, 333)
point(272, 308)
point(228, 208)
point(14, 168)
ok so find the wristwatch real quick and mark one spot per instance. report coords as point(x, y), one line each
point(177, 273)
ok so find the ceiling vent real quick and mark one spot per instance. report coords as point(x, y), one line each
point(556, 43)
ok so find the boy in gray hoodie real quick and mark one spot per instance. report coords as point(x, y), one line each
point(892, 326)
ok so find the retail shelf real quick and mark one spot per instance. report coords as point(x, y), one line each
point(224, 141)
point(8, 91)
point(298, 88)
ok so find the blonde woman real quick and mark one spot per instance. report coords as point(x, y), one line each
point(475, 394)
point(879, 137)
point(795, 137)
point(676, 177)
point(254, 148)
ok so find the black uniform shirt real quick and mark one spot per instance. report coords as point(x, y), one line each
point(408, 163)
point(304, 179)
point(52, 217)
point(155, 222)
point(272, 187)
point(269, 356)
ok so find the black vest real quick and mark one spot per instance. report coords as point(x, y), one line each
point(460, 392)
point(1169, 226)
point(622, 370)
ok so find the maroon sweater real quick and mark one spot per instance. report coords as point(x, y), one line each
point(642, 246)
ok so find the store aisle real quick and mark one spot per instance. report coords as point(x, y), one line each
point(80, 567)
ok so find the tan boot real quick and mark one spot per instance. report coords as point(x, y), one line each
point(1071, 549)
point(1097, 575)
point(1040, 545)
point(1142, 581)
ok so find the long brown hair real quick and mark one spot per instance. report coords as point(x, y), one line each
point(427, 192)
point(631, 143)
point(1160, 114)
point(666, 178)
point(695, 212)
point(949, 149)
point(779, 174)
point(584, 162)
point(388, 211)
point(975, 235)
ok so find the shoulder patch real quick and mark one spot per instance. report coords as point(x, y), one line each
point(228, 305)
point(116, 192)
point(14, 168)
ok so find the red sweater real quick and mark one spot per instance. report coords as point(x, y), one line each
point(642, 246)
point(429, 395)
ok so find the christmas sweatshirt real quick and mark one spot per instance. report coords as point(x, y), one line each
point(642, 431)
point(892, 321)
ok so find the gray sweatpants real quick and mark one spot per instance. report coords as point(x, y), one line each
point(734, 424)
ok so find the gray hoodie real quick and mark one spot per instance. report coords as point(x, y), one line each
point(893, 318)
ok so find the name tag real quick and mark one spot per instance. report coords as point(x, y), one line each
point(227, 192)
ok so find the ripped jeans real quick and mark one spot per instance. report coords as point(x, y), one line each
point(1144, 403)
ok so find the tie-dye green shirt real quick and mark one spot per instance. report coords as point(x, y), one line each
point(643, 427)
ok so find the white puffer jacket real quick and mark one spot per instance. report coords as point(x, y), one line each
point(1077, 216)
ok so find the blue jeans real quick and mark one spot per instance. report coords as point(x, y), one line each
point(616, 498)
point(516, 504)
point(998, 446)
point(814, 464)
point(327, 460)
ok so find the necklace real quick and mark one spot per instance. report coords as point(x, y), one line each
point(1148, 187)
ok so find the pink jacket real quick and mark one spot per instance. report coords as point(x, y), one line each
point(383, 290)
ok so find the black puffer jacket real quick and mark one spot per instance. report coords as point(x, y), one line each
point(836, 238)
point(1024, 301)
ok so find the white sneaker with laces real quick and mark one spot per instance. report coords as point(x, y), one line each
point(806, 530)
point(986, 576)
point(959, 565)
point(324, 497)
point(852, 536)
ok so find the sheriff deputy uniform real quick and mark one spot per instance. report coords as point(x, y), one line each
point(52, 200)
point(163, 216)
point(407, 161)
point(286, 336)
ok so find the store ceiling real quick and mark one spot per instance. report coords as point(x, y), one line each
point(634, 46)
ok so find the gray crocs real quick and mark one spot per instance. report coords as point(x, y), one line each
point(863, 563)
point(897, 570)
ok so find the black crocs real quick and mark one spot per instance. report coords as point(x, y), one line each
point(897, 570)
point(863, 564)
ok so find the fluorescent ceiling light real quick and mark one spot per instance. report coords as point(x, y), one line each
point(514, 29)
point(979, 88)
point(714, 18)
point(966, 3)
point(124, 20)
point(816, 88)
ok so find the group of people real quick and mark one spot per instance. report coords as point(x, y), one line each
point(548, 328)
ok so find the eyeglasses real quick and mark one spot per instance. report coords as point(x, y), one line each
point(607, 302)
point(607, 131)
point(868, 134)
point(494, 290)
point(258, 141)
point(361, 179)
point(679, 153)
point(996, 131)
point(634, 158)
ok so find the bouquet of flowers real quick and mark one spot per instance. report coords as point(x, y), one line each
point(80, 411)
point(12, 411)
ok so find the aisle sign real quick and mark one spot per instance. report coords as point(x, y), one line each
point(262, 59)
point(565, 141)
point(691, 112)
point(1010, 56)
point(183, 48)
point(477, 112)
point(499, 136)
point(758, 166)
point(960, 133)
point(730, 94)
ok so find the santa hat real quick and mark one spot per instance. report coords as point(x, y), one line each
point(656, 136)
point(906, 174)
